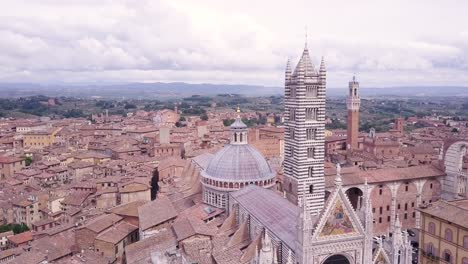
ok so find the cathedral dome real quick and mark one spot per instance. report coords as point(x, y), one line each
point(234, 167)
point(239, 163)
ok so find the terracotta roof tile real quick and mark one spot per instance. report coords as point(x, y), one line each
point(21, 238)
point(140, 252)
point(103, 222)
point(190, 226)
point(116, 233)
point(455, 212)
point(156, 212)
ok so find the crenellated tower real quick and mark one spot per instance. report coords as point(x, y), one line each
point(353, 104)
point(304, 135)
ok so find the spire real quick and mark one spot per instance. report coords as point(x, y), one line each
point(256, 257)
point(397, 223)
point(266, 243)
point(306, 219)
point(366, 189)
point(289, 261)
point(288, 71)
point(338, 180)
point(322, 65)
point(275, 256)
point(441, 152)
point(368, 208)
point(288, 66)
point(305, 67)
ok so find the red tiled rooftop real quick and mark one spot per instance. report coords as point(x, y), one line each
point(21, 238)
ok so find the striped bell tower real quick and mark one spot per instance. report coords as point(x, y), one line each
point(304, 134)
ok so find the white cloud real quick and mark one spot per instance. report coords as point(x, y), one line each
point(385, 42)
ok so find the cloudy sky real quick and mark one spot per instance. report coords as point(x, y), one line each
point(386, 43)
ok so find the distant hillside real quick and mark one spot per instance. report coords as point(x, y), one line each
point(134, 90)
point(174, 90)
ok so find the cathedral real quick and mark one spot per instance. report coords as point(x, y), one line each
point(299, 224)
point(304, 226)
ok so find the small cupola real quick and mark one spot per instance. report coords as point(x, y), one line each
point(238, 130)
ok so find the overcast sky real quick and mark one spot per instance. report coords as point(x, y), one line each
point(386, 43)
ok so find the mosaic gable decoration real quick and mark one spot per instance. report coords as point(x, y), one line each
point(338, 222)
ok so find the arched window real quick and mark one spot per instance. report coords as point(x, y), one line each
point(448, 256)
point(431, 228)
point(235, 137)
point(465, 242)
point(240, 140)
point(448, 234)
point(311, 188)
point(430, 248)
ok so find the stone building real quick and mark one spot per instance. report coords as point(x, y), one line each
point(111, 242)
point(234, 167)
point(151, 223)
point(327, 230)
point(393, 191)
point(455, 184)
point(40, 139)
point(26, 210)
point(353, 104)
point(444, 232)
point(261, 225)
point(304, 134)
point(10, 165)
point(136, 190)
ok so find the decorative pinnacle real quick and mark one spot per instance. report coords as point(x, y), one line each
point(338, 180)
point(288, 69)
point(238, 109)
point(397, 222)
point(322, 64)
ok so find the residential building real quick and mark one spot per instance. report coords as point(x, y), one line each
point(443, 236)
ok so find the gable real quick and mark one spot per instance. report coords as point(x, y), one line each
point(381, 257)
point(338, 219)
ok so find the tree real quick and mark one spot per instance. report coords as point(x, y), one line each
point(16, 228)
point(228, 122)
point(204, 117)
point(20, 228)
point(130, 106)
point(28, 160)
point(74, 113)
